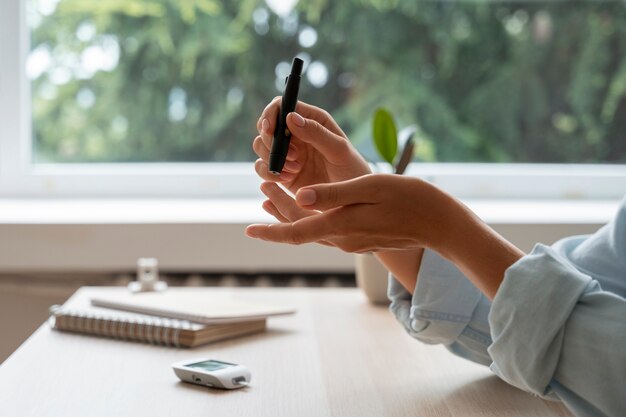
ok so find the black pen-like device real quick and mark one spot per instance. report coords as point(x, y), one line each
point(282, 136)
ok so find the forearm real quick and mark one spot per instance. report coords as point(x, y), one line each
point(403, 264)
point(475, 248)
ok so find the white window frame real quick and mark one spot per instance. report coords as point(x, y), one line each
point(20, 178)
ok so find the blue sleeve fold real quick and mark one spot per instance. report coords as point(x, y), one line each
point(445, 308)
point(556, 331)
point(536, 297)
point(556, 327)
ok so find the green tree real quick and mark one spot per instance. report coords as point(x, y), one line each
point(184, 81)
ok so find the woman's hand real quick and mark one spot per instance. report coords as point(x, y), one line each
point(403, 264)
point(390, 212)
point(369, 213)
point(319, 151)
point(284, 208)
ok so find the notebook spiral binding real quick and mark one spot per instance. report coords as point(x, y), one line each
point(153, 330)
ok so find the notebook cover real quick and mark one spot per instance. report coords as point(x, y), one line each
point(199, 305)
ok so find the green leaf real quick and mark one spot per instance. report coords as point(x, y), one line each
point(385, 135)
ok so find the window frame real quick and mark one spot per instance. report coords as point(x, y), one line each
point(19, 177)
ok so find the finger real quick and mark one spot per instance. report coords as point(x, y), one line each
point(292, 152)
point(271, 209)
point(326, 243)
point(361, 190)
point(262, 170)
point(292, 166)
point(260, 149)
point(306, 230)
point(267, 141)
point(284, 203)
point(291, 163)
point(306, 110)
point(269, 113)
point(298, 213)
point(332, 146)
point(322, 116)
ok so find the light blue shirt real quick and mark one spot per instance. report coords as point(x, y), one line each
point(556, 327)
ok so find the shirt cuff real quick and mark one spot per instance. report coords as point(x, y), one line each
point(527, 318)
point(442, 304)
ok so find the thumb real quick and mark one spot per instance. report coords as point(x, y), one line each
point(329, 144)
point(361, 190)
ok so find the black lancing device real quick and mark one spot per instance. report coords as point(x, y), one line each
point(282, 135)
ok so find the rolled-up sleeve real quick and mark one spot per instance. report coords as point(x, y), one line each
point(556, 331)
point(445, 308)
point(556, 327)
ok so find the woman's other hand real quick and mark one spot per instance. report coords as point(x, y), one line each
point(369, 213)
point(319, 151)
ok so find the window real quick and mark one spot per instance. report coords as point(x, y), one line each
point(160, 97)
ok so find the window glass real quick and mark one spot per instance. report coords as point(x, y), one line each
point(169, 81)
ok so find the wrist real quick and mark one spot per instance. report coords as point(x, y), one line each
point(474, 247)
point(444, 220)
point(460, 228)
point(403, 264)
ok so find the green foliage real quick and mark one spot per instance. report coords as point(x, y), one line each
point(385, 135)
point(489, 81)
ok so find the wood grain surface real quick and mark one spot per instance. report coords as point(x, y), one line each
point(337, 356)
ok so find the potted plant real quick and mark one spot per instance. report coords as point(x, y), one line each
point(371, 275)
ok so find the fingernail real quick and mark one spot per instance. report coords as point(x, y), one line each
point(265, 125)
point(306, 197)
point(251, 232)
point(297, 119)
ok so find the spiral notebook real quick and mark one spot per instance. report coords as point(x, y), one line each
point(77, 315)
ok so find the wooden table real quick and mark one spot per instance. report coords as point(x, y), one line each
point(338, 356)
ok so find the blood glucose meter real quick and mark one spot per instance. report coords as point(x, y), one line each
point(212, 373)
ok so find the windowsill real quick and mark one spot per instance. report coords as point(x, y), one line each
point(187, 235)
point(245, 211)
point(131, 211)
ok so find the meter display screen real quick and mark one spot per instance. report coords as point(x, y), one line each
point(210, 365)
